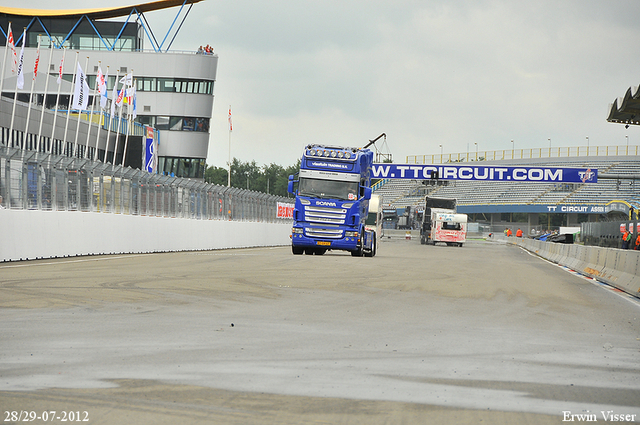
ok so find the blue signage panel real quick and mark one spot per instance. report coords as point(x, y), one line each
point(150, 157)
point(544, 208)
point(488, 173)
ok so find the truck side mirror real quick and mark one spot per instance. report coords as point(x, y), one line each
point(367, 193)
point(290, 187)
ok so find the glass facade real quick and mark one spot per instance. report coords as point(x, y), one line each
point(174, 85)
point(182, 167)
point(175, 123)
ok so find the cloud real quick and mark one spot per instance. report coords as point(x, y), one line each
point(426, 73)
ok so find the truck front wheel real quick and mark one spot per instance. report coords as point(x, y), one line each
point(297, 250)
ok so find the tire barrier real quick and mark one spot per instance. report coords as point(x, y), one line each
point(619, 268)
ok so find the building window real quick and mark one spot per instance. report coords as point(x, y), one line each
point(182, 167)
point(175, 123)
point(162, 123)
point(174, 85)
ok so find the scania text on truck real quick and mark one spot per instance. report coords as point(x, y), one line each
point(332, 191)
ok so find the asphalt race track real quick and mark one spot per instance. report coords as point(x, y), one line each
point(418, 334)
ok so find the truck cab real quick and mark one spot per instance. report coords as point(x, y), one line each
point(333, 190)
point(448, 227)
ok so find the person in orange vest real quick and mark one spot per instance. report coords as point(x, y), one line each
point(509, 233)
point(519, 233)
point(637, 248)
point(626, 238)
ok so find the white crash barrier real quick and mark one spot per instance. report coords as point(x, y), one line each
point(616, 267)
point(36, 234)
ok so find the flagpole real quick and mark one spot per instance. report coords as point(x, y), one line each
point(33, 83)
point(15, 93)
point(129, 110)
point(115, 150)
point(44, 99)
point(66, 125)
point(4, 59)
point(93, 104)
point(230, 130)
point(111, 112)
point(55, 113)
point(75, 143)
point(101, 116)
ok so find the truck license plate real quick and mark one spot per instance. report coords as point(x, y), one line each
point(323, 243)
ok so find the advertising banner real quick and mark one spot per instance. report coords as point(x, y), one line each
point(488, 173)
point(150, 148)
point(285, 210)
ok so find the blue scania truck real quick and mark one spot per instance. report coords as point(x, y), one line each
point(332, 189)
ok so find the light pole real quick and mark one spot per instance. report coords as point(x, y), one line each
point(627, 137)
point(513, 149)
point(587, 145)
point(441, 160)
point(476, 143)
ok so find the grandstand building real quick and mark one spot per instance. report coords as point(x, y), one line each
point(174, 89)
point(531, 205)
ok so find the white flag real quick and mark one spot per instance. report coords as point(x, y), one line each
point(35, 68)
point(14, 56)
point(20, 81)
point(127, 80)
point(114, 95)
point(120, 96)
point(60, 67)
point(102, 88)
point(81, 91)
point(133, 95)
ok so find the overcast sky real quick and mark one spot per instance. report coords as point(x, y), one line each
point(426, 73)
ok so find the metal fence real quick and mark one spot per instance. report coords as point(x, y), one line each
point(39, 181)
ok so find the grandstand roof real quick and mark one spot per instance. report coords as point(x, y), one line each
point(626, 110)
point(101, 13)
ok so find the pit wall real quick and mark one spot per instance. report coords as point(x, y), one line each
point(616, 267)
point(27, 235)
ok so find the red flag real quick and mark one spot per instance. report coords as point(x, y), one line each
point(230, 125)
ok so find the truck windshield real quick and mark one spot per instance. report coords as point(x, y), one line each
point(329, 189)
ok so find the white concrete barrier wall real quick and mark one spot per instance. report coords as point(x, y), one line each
point(47, 234)
point(616, 267)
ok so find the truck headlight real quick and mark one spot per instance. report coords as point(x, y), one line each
point(351, 234)
point(296, 230)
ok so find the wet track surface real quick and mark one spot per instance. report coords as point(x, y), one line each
point(417, 334)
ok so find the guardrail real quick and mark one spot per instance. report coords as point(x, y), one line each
point(533, 153)
point(32, 180)
point(619, 268)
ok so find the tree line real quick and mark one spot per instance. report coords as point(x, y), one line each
point(272, 178)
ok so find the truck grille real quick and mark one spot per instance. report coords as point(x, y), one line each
point(325, 215)
point(323, 232)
